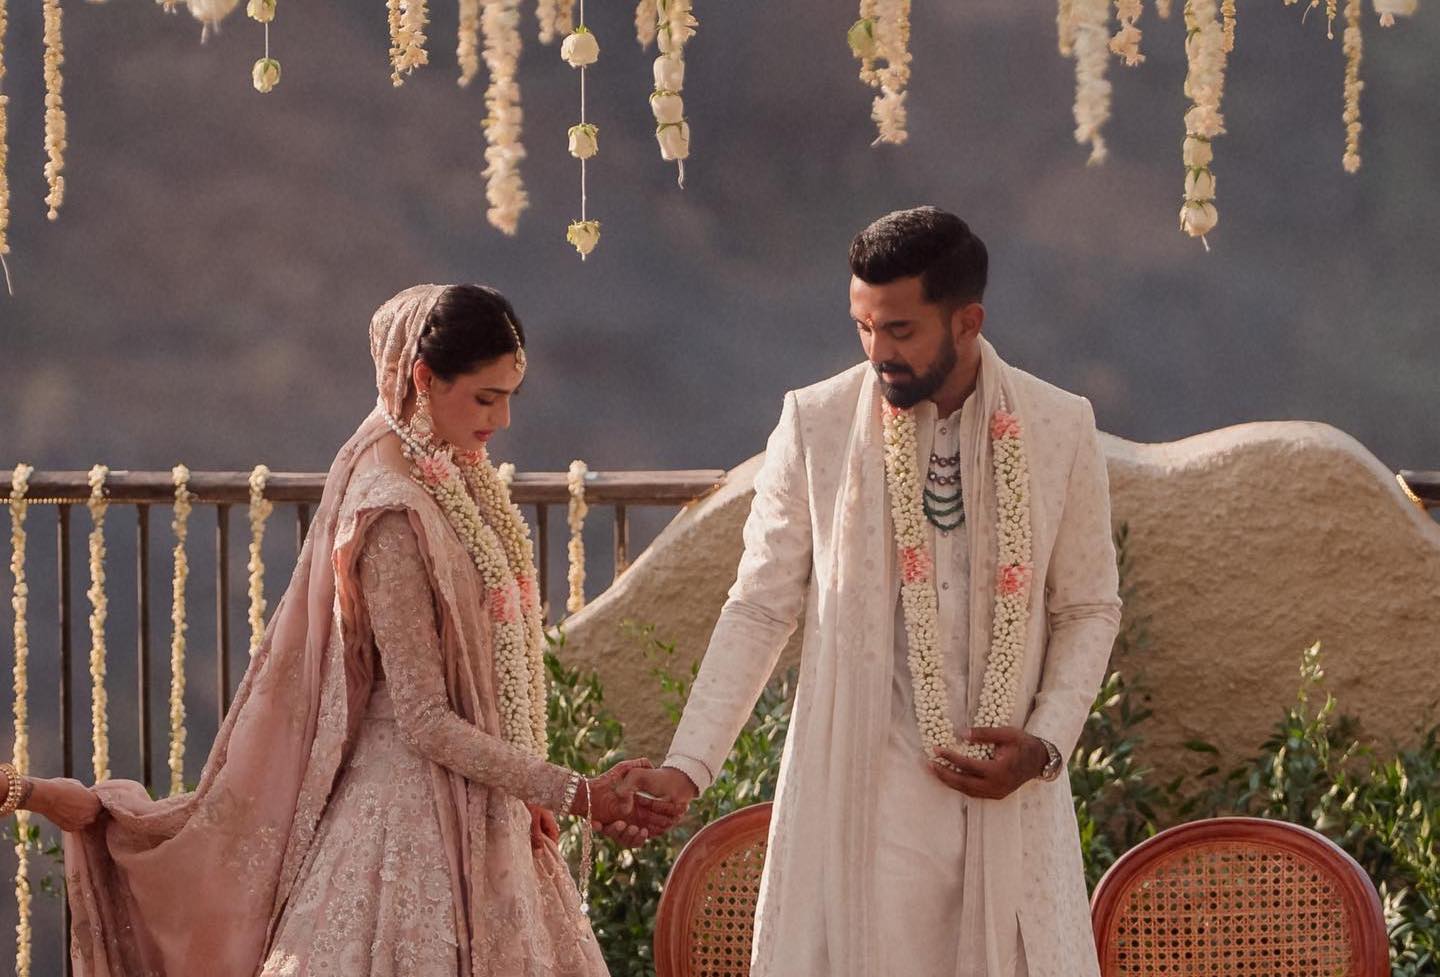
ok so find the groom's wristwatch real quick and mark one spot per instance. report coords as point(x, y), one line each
point(1054, 762)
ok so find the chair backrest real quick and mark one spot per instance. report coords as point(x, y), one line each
point(1242, 896)
point(706, 917)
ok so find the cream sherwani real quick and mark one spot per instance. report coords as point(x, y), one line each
point(874, 867)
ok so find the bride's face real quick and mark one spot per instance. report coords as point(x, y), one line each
point(468, 410)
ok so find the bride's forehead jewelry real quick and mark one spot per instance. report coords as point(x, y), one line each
point(520, 360)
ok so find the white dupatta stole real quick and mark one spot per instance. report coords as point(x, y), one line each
point(819, 871)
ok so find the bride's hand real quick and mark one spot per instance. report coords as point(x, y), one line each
point(65, 801)
point(542, 825)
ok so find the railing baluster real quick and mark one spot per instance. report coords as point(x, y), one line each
point(142, 548)
point(542, 555)
point(302, 525)
point(222, 607)
point(67, 754)
point(622, 541)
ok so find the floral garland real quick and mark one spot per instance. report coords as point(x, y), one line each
point(180, 475)
point(1204, 86)
point(647, 20)
point(675, 24)
point(500, 25)
point(407, 38)
point(883, 33)
point(580, 50)
point(1388, 10)
point(557, 18)
point(465, 492)
point(1092, 90)
point(55, 124)
point(1126, 42)
point(506, 472)
point(1065, 28)
point(1227, 16)
point(1353, 46)
point(20, 602)
point(209, 12)
point(1014, 575)
point(266, 73)
point(577, 511)
point(467, 49)
point(260, 509)
point(99, 610)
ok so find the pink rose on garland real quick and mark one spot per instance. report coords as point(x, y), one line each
point(434, 469)
point(915, 564)
point(1004, 425)
point(529, 596)
point(505, 604)
point(1012, 579)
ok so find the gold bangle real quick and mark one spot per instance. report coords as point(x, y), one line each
point(15, 785)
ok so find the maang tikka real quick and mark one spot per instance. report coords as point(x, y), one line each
point(520, 361)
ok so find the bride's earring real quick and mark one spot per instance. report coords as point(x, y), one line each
point(422, 425)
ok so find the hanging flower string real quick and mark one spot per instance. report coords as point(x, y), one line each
point(407, 38)
point(557, 18)
point(1227, 16)
point(500, 25)
point(180, 476)
point(1388, 10)
point(1092, 90)
point(1353, 47)
point(577, 512)
point(55, 123)
point(260, 509)
point(675, 24)
point(580, 50)
point(4, 158)
point(1065, 28)
point(1126, 42)
point(99, 610)
point(467, 49)
point(19, 603)
point(1204, 86)
point(892, 40)
point(646, 20)
point(266, 73)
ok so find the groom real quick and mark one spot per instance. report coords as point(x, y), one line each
point(942, 522)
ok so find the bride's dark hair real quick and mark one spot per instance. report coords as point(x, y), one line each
point(469, 325)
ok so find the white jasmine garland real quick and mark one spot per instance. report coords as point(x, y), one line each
point(55, 121)
point(891, 20)
point(260, 509)
point(1354, 47)
point(577, 510)
point(99, 610)
point(477, 506)
point(1065, 27)
point(1388, 10)
point(19, 603)
point(500, 27)
point(1090, 22)
point(407, 38)
point(467, 50)
point(506, 471)
point(1126, 42)
point(647, 19)
point(1004, 663)
point(180, 476)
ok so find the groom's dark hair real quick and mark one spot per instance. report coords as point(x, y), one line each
point(926, 241)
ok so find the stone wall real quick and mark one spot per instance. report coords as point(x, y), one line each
point(1247, 544)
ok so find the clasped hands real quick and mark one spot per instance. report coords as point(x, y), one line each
point(629, 803)
point(1019, 757)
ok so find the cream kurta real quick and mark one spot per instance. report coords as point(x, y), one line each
point(819, 543)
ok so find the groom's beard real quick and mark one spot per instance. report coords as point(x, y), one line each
point(907, 393)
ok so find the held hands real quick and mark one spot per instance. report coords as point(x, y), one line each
point(611, 804)
point(1019, 757)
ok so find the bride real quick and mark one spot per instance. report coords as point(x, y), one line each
point(377, 801)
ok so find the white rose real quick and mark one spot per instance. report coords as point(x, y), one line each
point(261, 10)
point(674, 141)
point(266, 75)
point(580, 48)
point(212, 11)
point(584, 235)
point(1197, 219)
point(1390, 9)
point(1197, 152)
point(1199, 185)
point(669, 73)
point(668, 107)
point(584, 140)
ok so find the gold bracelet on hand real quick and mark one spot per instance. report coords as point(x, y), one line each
point(15, 788)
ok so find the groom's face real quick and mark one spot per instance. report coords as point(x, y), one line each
point(910, 342)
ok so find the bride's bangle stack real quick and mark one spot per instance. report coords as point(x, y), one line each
point(16, 792)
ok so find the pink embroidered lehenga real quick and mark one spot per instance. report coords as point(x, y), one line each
point(359, 813)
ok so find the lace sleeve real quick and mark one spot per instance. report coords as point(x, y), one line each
point(401, 605)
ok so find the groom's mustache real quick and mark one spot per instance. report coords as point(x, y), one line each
point(894, 368)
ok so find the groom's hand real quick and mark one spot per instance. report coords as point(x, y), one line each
point(663, 795)
point(1019, 757)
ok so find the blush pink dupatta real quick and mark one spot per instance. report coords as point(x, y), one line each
point(194, 884)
